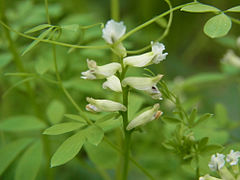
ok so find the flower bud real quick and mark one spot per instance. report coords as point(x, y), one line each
point(145, 117)
point(100, 72)
point(231, 58)
point(113, 83)
point(145, 84)
point(146, 59)
point(102, 105)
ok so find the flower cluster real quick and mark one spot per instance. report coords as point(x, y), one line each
point(217, 163)
point(111, 33)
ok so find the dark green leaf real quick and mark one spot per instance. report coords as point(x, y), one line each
point(218, 26)
point(210, 149)
point(10, 151)
point(30, 163)
point(63, 128)
point(199, 8)
point(38, 28)
point(68, 149)
point(94, 134)
point(202, 142)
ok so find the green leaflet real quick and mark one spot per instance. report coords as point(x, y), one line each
point(199, 8)
point(63, 128)
point(10, 151)
point(35, 42)
point(218, 26)
point(68, 149)
point(22, 123)
point(55, 111)
point(234, 9)
point(94, 134)
point(38, 28)
point(75, 117)
point(30, 162)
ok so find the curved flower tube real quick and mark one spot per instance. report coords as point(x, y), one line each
point(100, 72)
point(145, 117)
point(146, 59)
point(102, 105)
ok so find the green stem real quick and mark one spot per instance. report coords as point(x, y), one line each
point(152, 21)
point(197, 168)
point(115, 10)
point(53, 42)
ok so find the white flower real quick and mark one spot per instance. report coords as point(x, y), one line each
point(113, 31)
point(145, 84)
point(238, 42)
point(217, 162)
point(102, 105)
point(207, 177)
point(113, 83)
point(100, 72)
point(232, 157)
point(231, 58)
point(145, 117)
point(153, 57)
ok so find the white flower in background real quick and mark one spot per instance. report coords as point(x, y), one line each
point(145, 84)
point(113, 31)
point(217, 162)
point(100, 72)
point(113, 83)
point(207, 177)
point(231, 58)
point(238, 42)
point(145, 117)
point(102, 105)
point(153, 57)
point(232, 157)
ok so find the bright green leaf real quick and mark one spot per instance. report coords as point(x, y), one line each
point(38, 28)
point(218, 26)
point(234, 9)
point(55, 111)
point(109, 124)
point(199, 8)
point(35, 42)
point(30, 163)
point(68, 149)
point(22, 123)
point(192, 116)
point(10, 151)
point(75, 117)
point(63, 128)
point(212, 148)
point(94, 134)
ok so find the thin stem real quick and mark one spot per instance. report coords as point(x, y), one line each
point(197, 168)
point(115, 9)
point(165, 33)
point(53, 42)
point(152, 21)
point(130, 158)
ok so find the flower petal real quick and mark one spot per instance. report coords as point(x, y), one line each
point(113, 83)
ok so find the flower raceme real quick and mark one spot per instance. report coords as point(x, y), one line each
point(153, 57)
point(145, 117)
point(102, 105)
point(232, 157)
point(217, 162)
point(100, 72)
point(145, 84)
